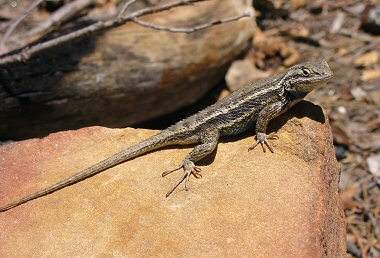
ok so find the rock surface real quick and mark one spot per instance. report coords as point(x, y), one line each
point(123, 76)
point(248, 203)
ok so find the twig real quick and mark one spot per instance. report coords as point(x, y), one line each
point(160, 8)
point(361, 50)
point(368, 212)
point(192, 29)
point(355, 35)
point(338, 22)
point(13, 25)
point(58, 17)
point(125, 7)
point(26, 53)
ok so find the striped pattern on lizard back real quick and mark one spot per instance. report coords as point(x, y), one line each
point(237, 112)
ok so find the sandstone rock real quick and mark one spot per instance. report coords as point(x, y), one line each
point(241, 73)
point(247, 203)
point(123, 76)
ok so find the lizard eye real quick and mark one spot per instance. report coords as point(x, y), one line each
point(306, 71)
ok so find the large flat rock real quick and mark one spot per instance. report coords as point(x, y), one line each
point(125, 75)
point(248, 203)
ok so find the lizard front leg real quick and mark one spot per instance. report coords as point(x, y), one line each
point(265, 115)
point(209, 141)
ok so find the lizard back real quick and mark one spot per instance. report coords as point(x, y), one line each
point(237, 112)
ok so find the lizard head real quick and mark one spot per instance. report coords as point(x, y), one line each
point(305, 77)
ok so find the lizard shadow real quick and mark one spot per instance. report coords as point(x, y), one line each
point(300, 110)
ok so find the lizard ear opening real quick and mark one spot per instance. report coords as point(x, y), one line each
point(299, 91)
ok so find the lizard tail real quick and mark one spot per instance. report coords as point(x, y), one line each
point(152, 143)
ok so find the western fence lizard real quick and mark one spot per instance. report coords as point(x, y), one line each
point(257, 104)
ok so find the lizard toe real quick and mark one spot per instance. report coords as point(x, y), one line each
point(189, 169)
point(272, 136)
point(262, 139)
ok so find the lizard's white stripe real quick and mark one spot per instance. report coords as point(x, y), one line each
point(237, 105)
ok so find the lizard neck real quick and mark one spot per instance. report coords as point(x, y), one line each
point(292, 89)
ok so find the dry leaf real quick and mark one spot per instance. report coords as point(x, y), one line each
point(298, 3)
point(347, 197)
point(373, 162)
point(375, 97)
point(338, 22)
point(370, 74)
point(368, 59)
point(340, 135)
point(358, 93)
point(270, 46)
point(296, 30)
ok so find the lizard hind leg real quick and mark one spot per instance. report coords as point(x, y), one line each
point(209, 141)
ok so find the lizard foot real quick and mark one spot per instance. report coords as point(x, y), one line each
point(189, 169)
point(262, 138)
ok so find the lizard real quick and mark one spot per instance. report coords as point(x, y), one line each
point(252, 106)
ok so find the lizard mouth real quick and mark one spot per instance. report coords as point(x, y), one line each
point(327, 71)
point(328, 75)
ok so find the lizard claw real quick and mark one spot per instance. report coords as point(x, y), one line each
point(262, 139)
point(171, 171)
point(189, 169)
